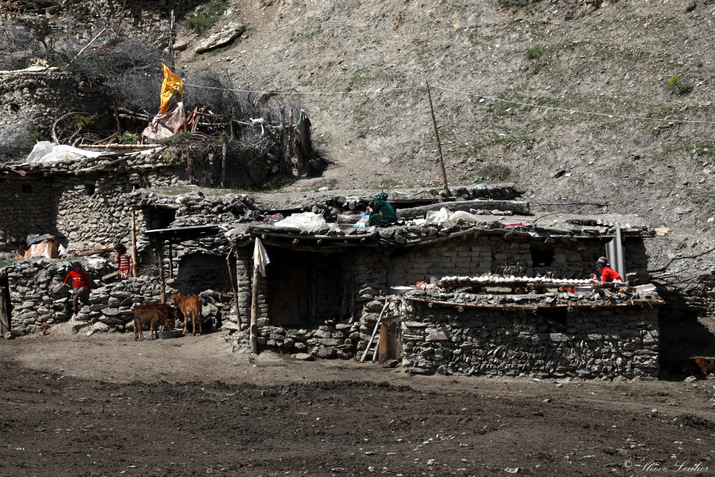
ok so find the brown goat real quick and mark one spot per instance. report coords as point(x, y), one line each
point(190, 306)
point(698, 367)
point(153, 315)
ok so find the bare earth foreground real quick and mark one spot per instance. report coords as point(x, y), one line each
point(107, 405)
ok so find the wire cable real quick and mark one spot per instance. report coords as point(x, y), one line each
point(378, 91)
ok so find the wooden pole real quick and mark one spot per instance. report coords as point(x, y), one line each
point(134, 244)
point(171, 40)
point(189, 168)
point(383, 344)
point(253, 329)
point(439, 146)
point(290, 136)
point(171, 260)
point(283, 159)
point(116, 118)
point(162, 282)
point(223, 161)
point(4, 318)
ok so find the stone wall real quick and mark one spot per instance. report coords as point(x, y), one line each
point(480, 254)
point(26, 208)
point(87, 208)
point(591, 343)
point(39, 301)
point(27, 95)
point(83, 210)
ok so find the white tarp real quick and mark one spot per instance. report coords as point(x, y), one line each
point(444, 216)
point(46, 152)
point(306, 222)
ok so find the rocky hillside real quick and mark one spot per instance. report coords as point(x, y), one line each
point(588, 106)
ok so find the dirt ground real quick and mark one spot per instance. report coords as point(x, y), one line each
point(107, 405)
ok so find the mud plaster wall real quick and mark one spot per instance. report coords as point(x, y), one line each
point(598, 343)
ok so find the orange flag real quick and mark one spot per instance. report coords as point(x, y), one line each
point(171, 84)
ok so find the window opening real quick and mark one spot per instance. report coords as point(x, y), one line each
point(159, 217)
point(542, 255)
point(555, 318)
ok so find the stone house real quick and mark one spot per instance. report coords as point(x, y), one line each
point(324, 294)
point(325, 290)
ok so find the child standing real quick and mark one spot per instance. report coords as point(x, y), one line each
point(123, 260)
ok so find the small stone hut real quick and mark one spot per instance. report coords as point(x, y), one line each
point(324, 294)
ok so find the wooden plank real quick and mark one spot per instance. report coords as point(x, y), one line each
point(383, 348)
point(590, 304)
point(519, 207)
point(134, 244)
point(4, 318)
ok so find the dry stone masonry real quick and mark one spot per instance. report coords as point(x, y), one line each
point(588, 342)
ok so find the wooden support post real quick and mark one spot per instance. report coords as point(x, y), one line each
point(4, 316)
point(171, 260)
point(290, 136)
point(253, 329)
point(134, 244)
point(162, 281)
point(224, 152)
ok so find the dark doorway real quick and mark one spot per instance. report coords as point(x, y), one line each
point(304, 288)
point(199, 272)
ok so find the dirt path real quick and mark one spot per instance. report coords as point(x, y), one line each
point(107, 405)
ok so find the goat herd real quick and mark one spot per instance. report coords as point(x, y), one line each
point(154, 315)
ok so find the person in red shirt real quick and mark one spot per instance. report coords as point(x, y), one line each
point(80, 285)
point(123, 261)
point(607, 273)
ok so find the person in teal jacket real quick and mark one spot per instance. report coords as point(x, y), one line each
point(381, 212)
